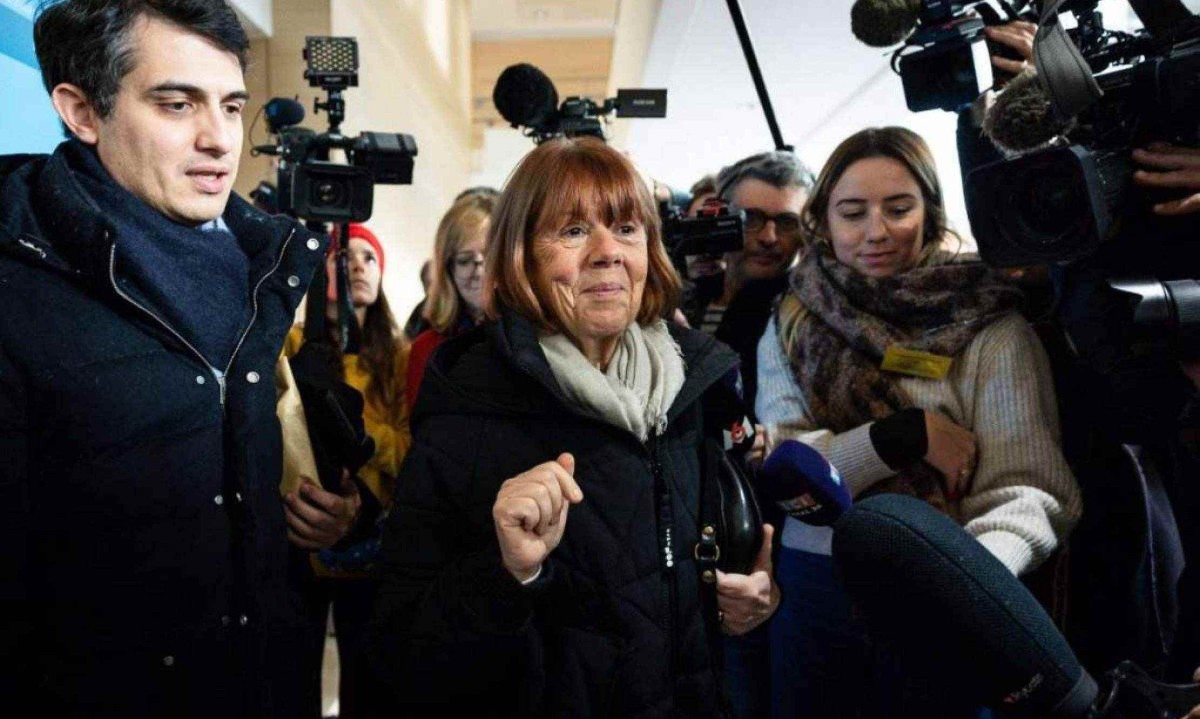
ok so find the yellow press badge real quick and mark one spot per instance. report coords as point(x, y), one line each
point(916, 363)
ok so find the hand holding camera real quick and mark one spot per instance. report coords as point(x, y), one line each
point(1172, 167)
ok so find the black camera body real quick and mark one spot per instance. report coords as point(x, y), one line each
point(581, 116)
point(310, 185)
point(714, 231)
point(1072, 203)
point(1061, 203)
point(946, 63)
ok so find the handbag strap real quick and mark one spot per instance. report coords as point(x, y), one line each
point(707, 551)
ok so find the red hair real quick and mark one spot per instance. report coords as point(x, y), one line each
point(560, 179)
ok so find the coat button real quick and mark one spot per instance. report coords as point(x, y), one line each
point(168, 661)
point(226, 620)
point(313, 243)
point(252, 377)
point(243, 620)
point(237, 496)
point(200, 379)
point(219, 500)
point(293, 281)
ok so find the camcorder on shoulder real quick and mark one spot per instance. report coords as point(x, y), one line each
point(312, 187)
point(945, 62)
point(1066, 194)
point(1071, 183)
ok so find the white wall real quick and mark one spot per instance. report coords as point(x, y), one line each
point(823, 83)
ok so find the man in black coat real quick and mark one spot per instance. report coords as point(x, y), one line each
point(143, 309)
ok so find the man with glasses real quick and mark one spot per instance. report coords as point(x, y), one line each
point(770, 188)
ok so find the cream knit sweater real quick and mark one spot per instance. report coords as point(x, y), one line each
point(1023, 499)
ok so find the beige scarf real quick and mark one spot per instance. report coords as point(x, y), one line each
point(642, 380)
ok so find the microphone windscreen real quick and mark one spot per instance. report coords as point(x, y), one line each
point(283, 112)
point(1022, 118)
point(803, 483)
point(524, 96)
point(924, 585)
point(883, 23)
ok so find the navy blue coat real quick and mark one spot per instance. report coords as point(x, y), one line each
point(144, 544)
point(613, 627)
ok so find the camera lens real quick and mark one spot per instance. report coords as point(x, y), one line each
point(1051, 205)
point(1046, 210)
point(328, 193)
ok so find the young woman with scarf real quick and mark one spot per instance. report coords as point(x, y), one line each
point(343, 574)
point(970, 425)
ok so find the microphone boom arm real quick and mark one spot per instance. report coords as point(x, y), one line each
point(739, 24)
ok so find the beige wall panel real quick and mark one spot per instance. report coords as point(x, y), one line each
point(414, 77)
point(253, 169)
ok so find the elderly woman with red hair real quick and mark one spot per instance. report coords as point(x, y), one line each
point(539, 557)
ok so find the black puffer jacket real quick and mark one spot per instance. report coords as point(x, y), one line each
point(144, 548)
point(613, 628)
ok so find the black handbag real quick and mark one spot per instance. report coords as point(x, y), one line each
point(730, 524)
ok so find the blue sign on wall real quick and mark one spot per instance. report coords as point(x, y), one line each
point(27, 119)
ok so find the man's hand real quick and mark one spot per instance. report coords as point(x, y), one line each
point(952, 451)
point(1171, 167)
point(747, 600)
point(1017, 35)
point(530, 514)
point(319, 519)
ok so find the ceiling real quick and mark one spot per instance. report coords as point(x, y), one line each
point(511, 19)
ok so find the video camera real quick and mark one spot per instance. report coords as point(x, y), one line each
point(713, 231)
point(945, 62)
point(310, 185)
point(1058, 203)
point(526, 98)
point(1065, 195)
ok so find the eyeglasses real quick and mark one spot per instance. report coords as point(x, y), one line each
point(466, 262)
point(786, 223)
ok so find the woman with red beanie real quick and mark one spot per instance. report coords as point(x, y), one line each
point(342, 575)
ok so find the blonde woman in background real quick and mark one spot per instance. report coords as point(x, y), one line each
point(455, 301)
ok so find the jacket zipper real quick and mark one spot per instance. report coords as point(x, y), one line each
point(220, 376)
point(666, 525)
point(254, 310)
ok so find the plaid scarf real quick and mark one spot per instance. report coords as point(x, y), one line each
point(850, 321)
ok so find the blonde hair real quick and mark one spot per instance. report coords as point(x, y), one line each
point(461, 223)
point(560, 178)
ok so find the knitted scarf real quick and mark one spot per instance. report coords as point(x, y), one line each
point(196, 278)
point(850, 321)
point(635, 392)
